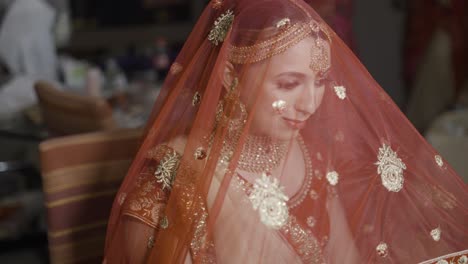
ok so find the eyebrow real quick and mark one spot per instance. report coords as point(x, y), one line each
point(294, 74)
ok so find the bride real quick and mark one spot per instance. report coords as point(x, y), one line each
point(271, 143)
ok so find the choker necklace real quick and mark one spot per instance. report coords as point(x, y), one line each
point(261, 154)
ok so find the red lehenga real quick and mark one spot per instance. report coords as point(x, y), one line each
point(271, 143)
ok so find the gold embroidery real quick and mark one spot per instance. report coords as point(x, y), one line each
point(390, 167)
point(164, 223)
point(201, 246)
point(167, 169)
point(340, 92)
point(151, 242)
point(306, 244)
point(146, 201)
point(221, 28)
point(439, 160)
point(435, 234)
point(333, 178)
point(382, 249)
point(196, 99)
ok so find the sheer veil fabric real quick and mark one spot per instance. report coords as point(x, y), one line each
point(271, 143)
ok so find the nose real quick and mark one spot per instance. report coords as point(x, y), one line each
point(308, 101)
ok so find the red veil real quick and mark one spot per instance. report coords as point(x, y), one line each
point(271, 143)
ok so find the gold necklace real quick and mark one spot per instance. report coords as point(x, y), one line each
point(261, 154)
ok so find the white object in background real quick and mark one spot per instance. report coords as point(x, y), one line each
point(27, 44)
point(94, 82)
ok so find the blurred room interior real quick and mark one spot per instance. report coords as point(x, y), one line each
point(101, 64)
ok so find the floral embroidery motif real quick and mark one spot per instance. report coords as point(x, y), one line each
point(382, 249)
point(147, 200)
point(200, 153)
point(175, 68)
point(166, 171)
point(221, 27)
point(390, 167)
point(439, 160)
point(311, 221)
point(340, 92)
point(268, 198)
point(333, 178)
point(196, 99)
point(283, 22)
point(435, 233)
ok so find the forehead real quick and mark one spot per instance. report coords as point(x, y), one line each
point(296, 59)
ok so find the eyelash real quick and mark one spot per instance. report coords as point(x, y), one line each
point(288, 85)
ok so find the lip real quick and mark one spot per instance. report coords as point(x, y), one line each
point(294, 124)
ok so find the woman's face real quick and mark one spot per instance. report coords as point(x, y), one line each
point(286, 77)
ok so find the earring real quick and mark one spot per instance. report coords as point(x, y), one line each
point(279, 106)
point(228, 105)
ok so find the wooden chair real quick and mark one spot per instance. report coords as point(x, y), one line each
point(81, 175)
point(65, 113)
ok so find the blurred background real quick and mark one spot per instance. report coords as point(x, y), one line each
point(78, 79)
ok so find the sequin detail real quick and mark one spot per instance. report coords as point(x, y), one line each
point(435, 234)
point(333, 177)
point(196, 99)
point(164, 223)
point(439, 160)
point(304, 241)
point(340, 92)
point(390, 168)
point(382, 249)
point(269, 199)
point(221, 28)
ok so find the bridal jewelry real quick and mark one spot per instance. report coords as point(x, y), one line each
point(279, 106)
point(261, 153)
